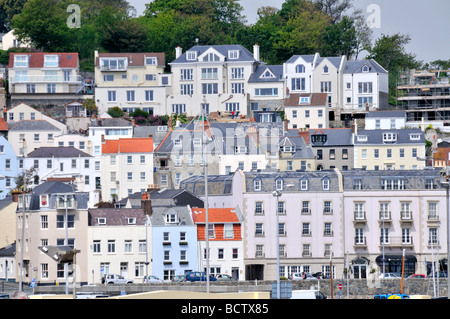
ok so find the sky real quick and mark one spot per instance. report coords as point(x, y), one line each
point(426, 22)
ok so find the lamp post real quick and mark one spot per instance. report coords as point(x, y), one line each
point(277, 194)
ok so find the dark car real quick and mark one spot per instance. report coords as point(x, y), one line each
point(198, 276)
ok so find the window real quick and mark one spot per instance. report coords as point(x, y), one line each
point(266, 92)
point(148, 95)
point(151, 61)
point(327, 229)
point(257, 185)
point(44, 220)
point(259, 208)
point(325, 87)
point(359, 211)
point(228, 231)
point(128, 246)
point(179, 108)
point(304, 184)
point(237, 73)
point(96, 246)
point(365, 87)
point(111, 96)
point(325, 69)
point(186, 74)
point(389, 137)
point(281, 208)
point(298, 84)
point(191, 55)
point(130, 96)
point(209, 88)
point(300, 68)
point(305, 207)
point(237, 88)
point(232, 107)
point(20, 61)
point(259, 229)
point(279, 184)
point(51, 88)
point(186, 89)
point(209, 74)
point(108, 78)
point(359, 236)
point(433, 236)
point(326, 184)
point(365, 101)
point(433, 210)
point(113, 64)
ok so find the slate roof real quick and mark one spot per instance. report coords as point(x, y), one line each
point(116, 216)
point(244, 56)
point(159, 213)
point(356, 66)
point(111, 122)
point(8, 251)
point(301, 149)
point(335, 136)
point(277, 71)
point(33, 125)
point(53, 188)
point(58, 152)
point(164, 197)
point(217, 185)
point(307, 58)
point(336, 61)
point(403, 136)
point(388, 114)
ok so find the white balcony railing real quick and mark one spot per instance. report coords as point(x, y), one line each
point(46, 79)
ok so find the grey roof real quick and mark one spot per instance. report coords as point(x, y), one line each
point(336, 61)
point(158, 216)
point(388, 114)
point(146, 131)
point(58, 152)
point(111, 122)
point(33, 125)
point(291, 180)
point(276, 70)
point(164, 197)
point(5, 202)
point(307, 58)
point(301, 149)
point(244, 56)
point(8, 251)
point(403, 136)
point(217, 185)
point(335, 137)
point(356, 66)
point(116, 216)
point(53, 188)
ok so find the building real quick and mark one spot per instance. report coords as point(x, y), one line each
point(26, 136)
point(131, 81)
point(225, 240)
point(306, 110)
point(425, 96)
point(174, 241)
point(212, 78)
point(295, 154)
point(7, 263)
point(385, 120)
point(9, 168)
point(333, 148)
point(44, 78)
point(127, 167)
point(8, 208)
point(45, 225)
point(119, 242)
point(298, 71)
point(389, 149)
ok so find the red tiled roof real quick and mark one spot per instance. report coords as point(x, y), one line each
point(128, 145)
point(67, 59)
point(317, 99)
point(215, 215)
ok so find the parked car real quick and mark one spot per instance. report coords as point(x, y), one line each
point(307, 294)
point(151, 279)
point(198, 276)
point(117, 279)
point(389, 275)
point(417, 276)
point(179, 278)
point(302, 276)
point(391, 296)
point(224, 277)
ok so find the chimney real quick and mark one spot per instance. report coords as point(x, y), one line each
point(355, 127)
point(178, 52)
point(103, 139)
point(256, 52)
point(5, 115)
point(146, 204)
point(133, 122)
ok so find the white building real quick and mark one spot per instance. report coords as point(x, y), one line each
point(127, 167)
point(214, 78)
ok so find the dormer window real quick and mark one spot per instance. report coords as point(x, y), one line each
point(101, 221)
point(113, 64)
point(304, 100)
point(171, 218)
point(319, 138)
point(300, 68)
point(44, 200)
point(304, 184)
point(414, 137)
point(267, 74)
point(20, 61)
point(257, 183)
point(151, 61)
point(191, 55)
point(326, 184)
point(131, 220)
point(389, 137)
point(233, 54)
point(50, 61)
point(361, 138)
point(279, 184)
point(288, 148)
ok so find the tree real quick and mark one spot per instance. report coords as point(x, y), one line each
point(340, 39)
point(389, 52)
point(116, 112)
point(334, 8)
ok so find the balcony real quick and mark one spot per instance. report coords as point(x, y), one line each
point(34, 79)
point(360, 242)
point(406, 217)
point(359, 217)
point(385, 217)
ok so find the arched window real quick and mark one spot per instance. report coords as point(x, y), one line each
point(325, 69)
point(300, 68)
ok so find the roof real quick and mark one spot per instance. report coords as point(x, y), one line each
point(276, 70)
point(317, 99)
point(53, 188)
point(36, 59)
point(335, 136)
point(244, 56)
point(111, 122)
point(215, 215)
point(33, 125)
point(388, 114)
point(128, 145)
point(307, 58)
point(335, 61)
point(158, 216)
point(3, 125)
point(356, 66)
point(58, 152)
point(134, 59)
point(403, 136)
point(116, 216)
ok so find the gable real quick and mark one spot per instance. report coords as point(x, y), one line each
point(211, 55)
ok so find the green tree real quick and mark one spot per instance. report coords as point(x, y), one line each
point(116, 112)
point(8, 9)
point(340, 39)
point(389, 52)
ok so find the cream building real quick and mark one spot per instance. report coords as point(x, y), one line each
point(131, 81)
point(389, 149)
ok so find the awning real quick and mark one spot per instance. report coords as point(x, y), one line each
point(388, 258)
point(360, 261)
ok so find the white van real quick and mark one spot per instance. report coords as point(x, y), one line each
point(307, 294)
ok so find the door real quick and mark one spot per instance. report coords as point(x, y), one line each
point(359, 271)
point(124, 269)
